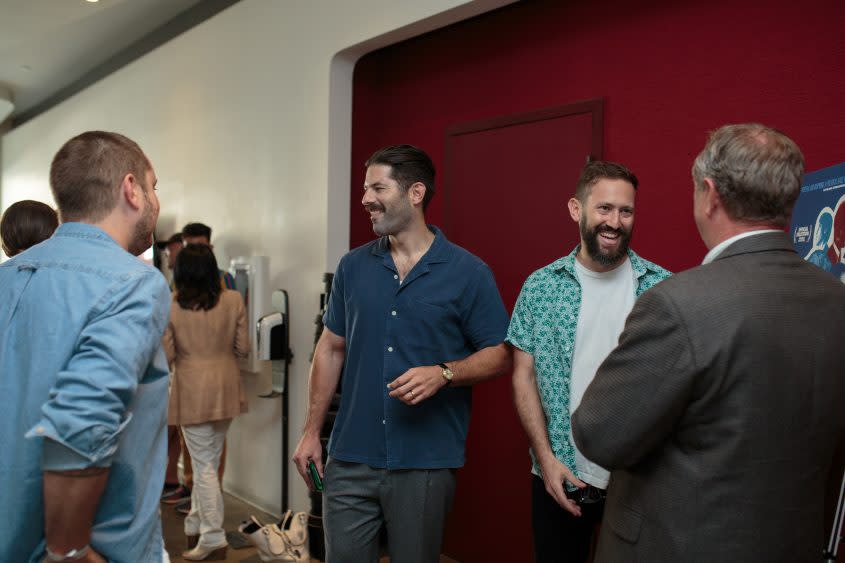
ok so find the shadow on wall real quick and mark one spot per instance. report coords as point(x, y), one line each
point(226, 247)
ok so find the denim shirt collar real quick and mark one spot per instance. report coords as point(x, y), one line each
point(82, 230)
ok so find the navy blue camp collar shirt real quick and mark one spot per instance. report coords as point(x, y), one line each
point(447, 308)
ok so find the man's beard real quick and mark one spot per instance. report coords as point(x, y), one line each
point(142, 238)
point(392, 221)
point(594, 251)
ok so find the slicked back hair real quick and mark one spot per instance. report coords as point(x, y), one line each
point(408, 165)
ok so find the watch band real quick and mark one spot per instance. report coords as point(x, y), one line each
point(72, 555)
point(445, 369)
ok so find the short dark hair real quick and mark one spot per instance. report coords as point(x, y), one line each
point(596, 170)
point(26, 223)
point(86, 173)
point(196, 230)
point(408, 165)
point(196, 278)
point(174, 239)
point(757, 172)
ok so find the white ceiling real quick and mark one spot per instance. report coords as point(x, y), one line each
point(47, 45)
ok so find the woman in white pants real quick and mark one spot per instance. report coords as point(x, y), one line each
point(206, 335)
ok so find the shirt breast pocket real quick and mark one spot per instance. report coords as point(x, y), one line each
point(428, 327)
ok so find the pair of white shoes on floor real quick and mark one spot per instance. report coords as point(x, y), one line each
point(288, 544)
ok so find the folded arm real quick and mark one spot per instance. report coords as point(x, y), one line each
point(419, 383)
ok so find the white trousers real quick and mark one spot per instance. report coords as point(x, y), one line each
point(205, 444)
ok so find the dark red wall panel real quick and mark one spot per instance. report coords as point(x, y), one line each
point(668, 72)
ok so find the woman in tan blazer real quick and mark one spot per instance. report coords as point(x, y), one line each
point(206, 335)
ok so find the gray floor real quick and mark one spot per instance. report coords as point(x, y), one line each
point(235, 511)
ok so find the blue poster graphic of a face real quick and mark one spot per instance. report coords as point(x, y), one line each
point(818, 221)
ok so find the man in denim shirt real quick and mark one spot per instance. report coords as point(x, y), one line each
point(82, 373)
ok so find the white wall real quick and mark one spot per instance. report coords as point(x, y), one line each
point(246, 119)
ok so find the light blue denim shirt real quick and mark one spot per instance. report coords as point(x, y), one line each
point(83, 383)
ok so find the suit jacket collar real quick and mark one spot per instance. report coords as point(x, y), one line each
point(759, 243)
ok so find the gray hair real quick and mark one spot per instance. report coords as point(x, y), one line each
point(757, 171)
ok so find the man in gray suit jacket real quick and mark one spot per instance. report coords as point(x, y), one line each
point(720, 412)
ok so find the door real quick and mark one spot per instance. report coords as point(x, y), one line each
point(506, 183)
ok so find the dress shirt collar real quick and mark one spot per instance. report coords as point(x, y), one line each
point(716, 250)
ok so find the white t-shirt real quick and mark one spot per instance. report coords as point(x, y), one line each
point(606, 300)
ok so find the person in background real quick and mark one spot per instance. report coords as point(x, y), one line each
point(83, 374)
point(180, 497)
point(206, 335)
point(175, 492)
point(25, 224)
point(170, 249)
point(719, 414)
point(198, 233)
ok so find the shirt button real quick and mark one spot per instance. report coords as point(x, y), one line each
point(395, 276)
point(383, 421)
point(393, 313)
point(390, 348)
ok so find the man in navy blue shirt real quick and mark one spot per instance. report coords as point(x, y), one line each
point(413, 321)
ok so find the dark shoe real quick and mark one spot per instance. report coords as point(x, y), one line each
point(177, 495)
point(169, 487)
point(183, 507)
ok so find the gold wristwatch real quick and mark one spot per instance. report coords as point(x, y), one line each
point(446, 373)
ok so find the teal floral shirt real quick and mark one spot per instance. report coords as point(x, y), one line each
point(543, 324)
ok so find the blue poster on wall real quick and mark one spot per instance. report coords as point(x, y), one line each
point(818, 221)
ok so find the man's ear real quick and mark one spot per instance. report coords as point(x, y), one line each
point(575, 209)
point(131, 191)
point(712, 199)
point(417, 193)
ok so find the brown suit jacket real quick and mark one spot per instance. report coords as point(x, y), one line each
point(720, 413)
point(204, 346)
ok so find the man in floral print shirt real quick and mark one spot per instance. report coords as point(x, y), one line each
point(567, 319)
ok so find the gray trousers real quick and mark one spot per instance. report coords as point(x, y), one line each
point(411, 503)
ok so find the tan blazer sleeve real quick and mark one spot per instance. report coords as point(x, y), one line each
point(241, 332)
point(169, 344)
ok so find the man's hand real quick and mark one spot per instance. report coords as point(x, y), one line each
point(555, 474)
point(417, 384)
point(309, 449)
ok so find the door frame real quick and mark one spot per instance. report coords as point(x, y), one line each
point(594, 106)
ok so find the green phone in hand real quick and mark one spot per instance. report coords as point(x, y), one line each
point(315, 476)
